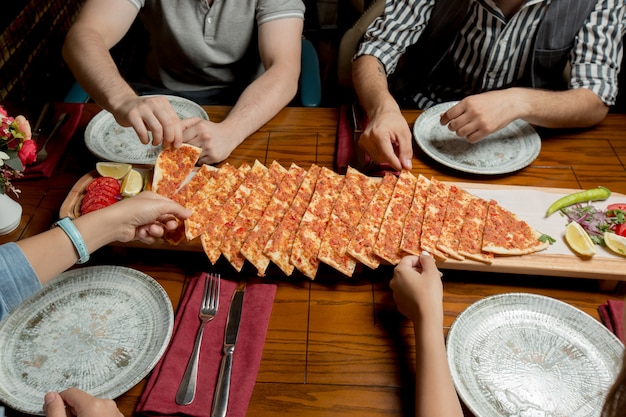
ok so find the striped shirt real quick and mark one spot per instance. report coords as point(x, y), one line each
point(491, 52)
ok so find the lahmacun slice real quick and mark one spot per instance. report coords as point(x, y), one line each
point(507, 234)
point(434, 215)
point(308, 237)
point(257, 239)
point(387, 244)
point(450, 236)
point(211, 238)
point(172, 167)
point(199, 186)
point(356, 193)
point(249, 215)
point(362, 243)
point(471, 239)
point(203, 209)
point(280, 244)
point(412, 231)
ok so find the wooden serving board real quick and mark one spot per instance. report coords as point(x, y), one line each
point(529, 203)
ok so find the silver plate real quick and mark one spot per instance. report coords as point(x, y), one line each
point(101, 329)
point(510, 149)
point(109, 141)
point(529, 355)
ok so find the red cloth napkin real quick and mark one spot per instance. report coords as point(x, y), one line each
point(612, 315)
point(347, 152)
point(57, 145)
point(158, 398)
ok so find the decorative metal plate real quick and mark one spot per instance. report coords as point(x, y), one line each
point(510, 149)
point(100, 329)
point(523, 354)
point(109, 141)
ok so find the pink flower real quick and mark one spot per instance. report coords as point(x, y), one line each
point(28, 152)
point(24, 127)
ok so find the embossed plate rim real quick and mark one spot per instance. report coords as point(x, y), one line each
point(102, 123)
point(151, 311)
point(531, 318)
point(528, 137)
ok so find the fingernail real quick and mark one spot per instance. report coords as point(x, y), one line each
point(425, 253)
point(408, 163)
point(49, 398)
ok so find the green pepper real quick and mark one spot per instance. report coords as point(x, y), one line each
point(593, 194)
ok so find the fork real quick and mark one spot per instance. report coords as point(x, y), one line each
point(208, 310)
point(43, 153)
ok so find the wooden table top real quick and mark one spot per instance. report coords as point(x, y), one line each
point(335, 346)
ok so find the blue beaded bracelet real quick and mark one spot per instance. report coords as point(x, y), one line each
point(72, 232)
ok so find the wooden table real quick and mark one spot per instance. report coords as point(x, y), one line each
point(335, 346)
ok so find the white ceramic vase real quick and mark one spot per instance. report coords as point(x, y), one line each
point(10, 214)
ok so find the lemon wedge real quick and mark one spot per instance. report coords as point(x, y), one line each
point(615, 242)
point(578, 240)
point(132, 183)
point(113, 169)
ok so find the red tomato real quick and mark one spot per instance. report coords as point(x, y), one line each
point(616, 206)
point(620, 229)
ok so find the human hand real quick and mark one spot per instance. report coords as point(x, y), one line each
point(216, 140)
point(74, 402)
point(479, 115)
point(417, 288)
point(151, 114)
point(387, 138)
point(144, 217)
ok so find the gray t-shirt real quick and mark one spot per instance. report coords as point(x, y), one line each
point(196, 47)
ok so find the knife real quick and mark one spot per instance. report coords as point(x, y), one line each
point(220, 400)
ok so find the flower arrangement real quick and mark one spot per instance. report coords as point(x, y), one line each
point(17, 149)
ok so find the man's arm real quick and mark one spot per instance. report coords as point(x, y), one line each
point(387, 137)
point(474, 116)
point(99, 26)
point(280, 44)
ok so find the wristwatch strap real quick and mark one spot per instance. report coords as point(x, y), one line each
point(72, 232)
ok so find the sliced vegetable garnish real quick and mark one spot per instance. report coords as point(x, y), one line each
point(594, 221)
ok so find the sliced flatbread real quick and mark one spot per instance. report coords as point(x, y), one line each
point(458, 199)
point(434, 215)
point(362, 243)
point(389, 237)
point(254, 244)
point(415, 217)
point(279, 246)
point(212, 236)
point(471, 239)
point(506, 234)
point(203, 209)
point(200, 185)
point(172, 167)
point(195, 192)
point(249, 215)
point(356, 193)
point(308, 238)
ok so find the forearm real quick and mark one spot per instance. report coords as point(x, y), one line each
point(370, 84)
point(559, 109)
point(434, 390)
point(93, 67)
point(261, 101)
point(52, 252)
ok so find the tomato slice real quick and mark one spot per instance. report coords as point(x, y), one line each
point(616, 206)
point(620, 229)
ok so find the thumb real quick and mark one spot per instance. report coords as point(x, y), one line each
point(53, 405)
point(428, 262)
